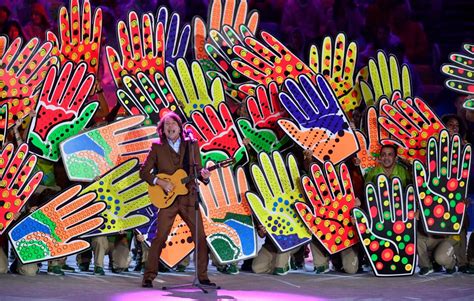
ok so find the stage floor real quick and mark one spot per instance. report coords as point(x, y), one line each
point(297, 285)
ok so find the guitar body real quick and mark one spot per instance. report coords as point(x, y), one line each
point(159, 197)
point(179, 178)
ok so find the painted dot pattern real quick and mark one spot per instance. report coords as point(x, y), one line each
point(216, 131)
point(266, 64)
point(219, 49)
point(178, 244)
point(469, 104)
point(370, 148)
point(337, 64)
point(461, 74)
point(441, 188)
point(279, 189)
point(225, 204)
point(325, 130)
point(79, 39)
point(329, 220)
point(95, 152)
point(62, 111)
point(144, 97)
point(16, 185)
point(142, 48)
point(123, 192)
point(22, 69)
point(46, 233)
point(412, 123)
point(388, 234)
point(190, 88)
point(263, 130)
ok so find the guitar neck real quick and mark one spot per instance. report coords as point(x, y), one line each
point(190, 178)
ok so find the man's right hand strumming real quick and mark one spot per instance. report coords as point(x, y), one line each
point(166, 185)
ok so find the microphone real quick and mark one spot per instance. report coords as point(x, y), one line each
point(189, 134)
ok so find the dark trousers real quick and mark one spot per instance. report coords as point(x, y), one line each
point(185, 208)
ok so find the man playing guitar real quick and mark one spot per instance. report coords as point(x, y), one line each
point(170, 153)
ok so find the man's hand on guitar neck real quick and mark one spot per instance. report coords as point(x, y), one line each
point(205, 173)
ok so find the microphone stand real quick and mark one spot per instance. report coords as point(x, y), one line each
point(195, 194)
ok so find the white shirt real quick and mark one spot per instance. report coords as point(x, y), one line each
point(175, 146)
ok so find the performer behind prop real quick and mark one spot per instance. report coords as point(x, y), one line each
point(171, 152)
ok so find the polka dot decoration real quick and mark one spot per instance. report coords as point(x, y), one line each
point(22, 69)
point(79, 38)
point(191, 89)
point(411, 122)
point(332, 199)
point(93, 153)
point(219, 50)
point(469, 104)
point(278, 186)
point(142, 48)
point(441, 185)
point(124, 193)
point(141, 96)
point(387, 76)
point(48, 233)
point(266, 63)
point(388, 232)
point(17, 182)
point(460, 71)
point(179, 243)
point(337, 63)
point(219, 15)
point(215, 131)
point(227, 216)
point(62, 110)
point(321, 125)
point(370, 145)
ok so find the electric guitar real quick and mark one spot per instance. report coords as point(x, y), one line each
point(179, 178)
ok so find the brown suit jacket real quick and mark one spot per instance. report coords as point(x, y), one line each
point(163, 159)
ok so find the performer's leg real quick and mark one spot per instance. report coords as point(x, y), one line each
point(350, 260)
point(30, 269)
point(423, 246)
point(282, 262)
point(470, 251)
point(100, 246)
point(3, 262)
point(460, 249)
point(164, 222)
point(145, 251)
point(84, 259)
point(320, 257)
point(188, 215)
point(120, 254)
point(264, 262)
point(444, 254)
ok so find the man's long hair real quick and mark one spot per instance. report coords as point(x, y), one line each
point(161, 125)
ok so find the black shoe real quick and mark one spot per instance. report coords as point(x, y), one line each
point(117, 270)
point(147, 284)
point(14, 267)
point(463, 269)
point(437, 268)
point(163, 269)
point(207, 282)
point(84, 267)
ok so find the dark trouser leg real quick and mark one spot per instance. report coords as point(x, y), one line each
point(164, 222)
point(188, 214)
